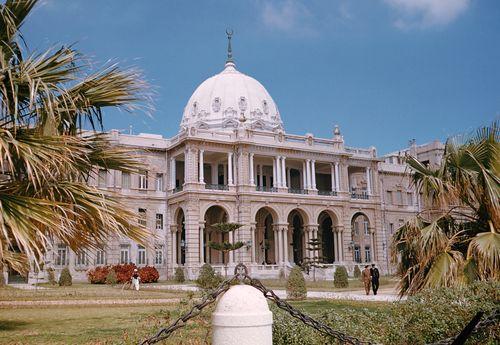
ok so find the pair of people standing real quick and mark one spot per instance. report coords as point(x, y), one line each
point(370, 277)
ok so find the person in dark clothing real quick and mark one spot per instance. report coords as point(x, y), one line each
point(375, 278)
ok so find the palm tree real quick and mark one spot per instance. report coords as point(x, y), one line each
point(456, 239)
point(46, 159)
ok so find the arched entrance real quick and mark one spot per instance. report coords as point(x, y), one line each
point(265, 245)
point(326, 237)
point(296, 221)
point(362, 240)
point(214, 215)
point(180, 237)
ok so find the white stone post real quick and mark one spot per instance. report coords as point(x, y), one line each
point(242, 317)
point(252, 172)
point(304, 175)
point(308, 174)
point(275, 179)
point(285, 244)
point(201, 174)
point(276, 250)
point(332, 173)
point(230, 168)
point(337, 177)
point(278, 171)
point(313, 173)
point(283, 172)
point(280, 245)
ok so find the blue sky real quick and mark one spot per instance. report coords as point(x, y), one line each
point(385, 71)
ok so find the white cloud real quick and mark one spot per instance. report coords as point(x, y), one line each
point(288, 16)
point(426, 13)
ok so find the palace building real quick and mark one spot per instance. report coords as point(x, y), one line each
point(232, 160)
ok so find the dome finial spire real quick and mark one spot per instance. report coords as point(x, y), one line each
point(229, 33)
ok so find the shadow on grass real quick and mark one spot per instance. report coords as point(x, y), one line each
point(8, 325)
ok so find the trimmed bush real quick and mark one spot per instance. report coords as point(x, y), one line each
point(340, 279)
point(179, 275)
point(357, 272)
point(296, 284)
point(111, 278)
point(208, 279)
point(98, 274)
point(149, 274)
point(51, 276)
point(124, 272)
point(65, 278)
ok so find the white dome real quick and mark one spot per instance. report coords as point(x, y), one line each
point(222, 101)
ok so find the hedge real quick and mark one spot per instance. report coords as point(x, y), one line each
point(98, 274)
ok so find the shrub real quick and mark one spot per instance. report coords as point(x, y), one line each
point(149, 274)
point(98, 274)
point(111, 277)
point(208, 279)
point(51, 276)
point(357, 272)
point(65, 278)
point(340, 279)
point(179, 275)
point(296, 284)
point(124, 272)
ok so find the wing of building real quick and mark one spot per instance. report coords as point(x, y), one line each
point(232, 160)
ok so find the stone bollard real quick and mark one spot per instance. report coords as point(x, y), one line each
point(242, 317)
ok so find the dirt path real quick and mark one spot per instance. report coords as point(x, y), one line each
point(90, 302)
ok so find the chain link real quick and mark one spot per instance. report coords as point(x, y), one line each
point(241, 275)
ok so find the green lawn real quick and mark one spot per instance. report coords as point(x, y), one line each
point(84, 291)
point(119, 324)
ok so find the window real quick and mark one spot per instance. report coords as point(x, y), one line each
point(125, 180)
point(100, 257)
point(142, 217)
point(399, 198)
point(355, 229)
point(159, 182)
point(365, 227)
point(143, 180)
point(159, 221)
point(410, 198)
point(368, 255)
point(389, 197)
point(62, 255)
point(81, 258)
point(124, 254)
point(357, 254)
point(159, 255)
point(141, 255)
point(101, 182)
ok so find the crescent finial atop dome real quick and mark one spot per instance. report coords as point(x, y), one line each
point(229, 60)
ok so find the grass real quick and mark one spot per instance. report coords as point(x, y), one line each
point(84, 291)
point(120, 324)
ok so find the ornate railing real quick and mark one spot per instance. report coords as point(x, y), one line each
point(297, 191)
point(217, 186)
point(327, 192)
point(266, 189)
point(363, 195)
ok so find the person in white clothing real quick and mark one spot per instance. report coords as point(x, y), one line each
point(135, 280)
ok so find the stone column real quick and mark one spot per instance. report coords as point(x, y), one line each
point(215, 173)
point(285, 244)
point(308, 174)
point(261, 176)
point(313, 173)
point(275, 177)
point(230, 168)
point(368, 181)
point(283, 172)
point(332, 174)
point(174, 245)
point(172, 173)
point(373, 250)
point(253, 229)
point(202, 243)
point(201, 173)
point(231, 254)
point(278, 171)
point(304, 175)
point(252, 172)
point(280, 245)
point(276, 250)
point(337, 177)
point(341, 243)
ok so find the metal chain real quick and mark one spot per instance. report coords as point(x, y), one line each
point(241, 274)
point(164, 333)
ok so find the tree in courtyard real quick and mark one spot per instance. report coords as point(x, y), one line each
point(315, 261)
point(46, 99)
point(456, 239)
point(225, 246)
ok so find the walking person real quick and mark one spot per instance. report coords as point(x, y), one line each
point(375, 274)
point(135, 280)
point(366, 277)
